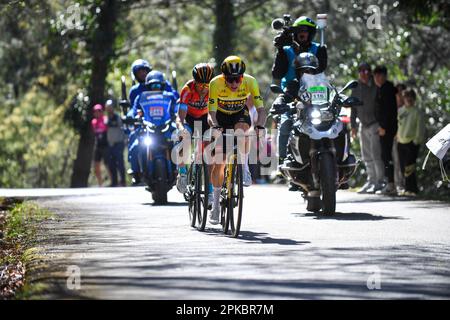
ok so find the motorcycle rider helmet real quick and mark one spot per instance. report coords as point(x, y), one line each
point(202, 72)
point(305, 23)
point(138, 65)
point(306, 62)
point(155, 81)
point(109, 103)
point(233, 66)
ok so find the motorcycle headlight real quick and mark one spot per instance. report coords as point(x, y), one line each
point(148, 141)
point(315, 117)
point(315, 114)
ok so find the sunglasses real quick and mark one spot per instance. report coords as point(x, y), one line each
point(233, 79)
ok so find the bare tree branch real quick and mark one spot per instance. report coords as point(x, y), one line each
point(250, 8)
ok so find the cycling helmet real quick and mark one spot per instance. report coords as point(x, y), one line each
point(137, 65)
point(306, 62)
point(155, 80)
point(233, 66)
point(203, 72)
point(305, 22)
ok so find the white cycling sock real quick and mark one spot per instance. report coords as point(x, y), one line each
point(217, 197)
point(246, 168)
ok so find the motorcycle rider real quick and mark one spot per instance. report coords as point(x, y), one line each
point(139, 71)
point(154, 93)
point(193, 106)
point(290, 43)
point(306, 66)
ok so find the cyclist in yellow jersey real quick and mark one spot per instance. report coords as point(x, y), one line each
point(230, 95)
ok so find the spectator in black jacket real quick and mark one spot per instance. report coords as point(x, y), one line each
point(386, 114)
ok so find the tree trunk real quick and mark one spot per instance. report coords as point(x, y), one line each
point(224, 32)
point(101, 51)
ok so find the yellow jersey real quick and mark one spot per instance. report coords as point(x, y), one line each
point(222, 99)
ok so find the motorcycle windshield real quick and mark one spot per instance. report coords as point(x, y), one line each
point(156, 107)
point(318, 88)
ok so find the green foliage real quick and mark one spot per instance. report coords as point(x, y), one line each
point(21, 221)
point(37, 44)
point(36, 147)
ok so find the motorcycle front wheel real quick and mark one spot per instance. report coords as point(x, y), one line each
point(160, 193)
point(328, 183)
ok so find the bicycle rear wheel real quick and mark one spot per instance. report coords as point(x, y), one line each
point(235, 202)
point(201, 195)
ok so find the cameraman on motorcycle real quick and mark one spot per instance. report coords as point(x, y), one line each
point(306, 66)
point(290, 43)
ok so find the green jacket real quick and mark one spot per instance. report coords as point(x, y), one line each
point(411, 125)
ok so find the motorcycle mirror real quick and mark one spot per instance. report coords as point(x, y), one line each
point(277, 24)
point(352, 102)
point(276, 89)
point(350, 85)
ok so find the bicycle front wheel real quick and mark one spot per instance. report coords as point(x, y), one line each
point(201, 195)
point(190, 195)
point(235, 201)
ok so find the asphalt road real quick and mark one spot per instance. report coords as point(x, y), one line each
point(375, 247)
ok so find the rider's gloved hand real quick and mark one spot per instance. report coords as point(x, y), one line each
point(279, 102)
point(282, 39)
point(279, 106)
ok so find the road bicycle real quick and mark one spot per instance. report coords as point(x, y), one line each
point(232, 193)
point(197, 191)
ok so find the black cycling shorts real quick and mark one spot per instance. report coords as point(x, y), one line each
point(204, 120)
point(228, 121)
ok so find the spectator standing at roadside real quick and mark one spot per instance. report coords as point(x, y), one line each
point(99, 127)
point(386, 113)
point(368, 129)
point(410, 135)
point(398, 175)
point(116, 138)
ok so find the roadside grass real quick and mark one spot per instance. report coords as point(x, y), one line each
point(19, 224)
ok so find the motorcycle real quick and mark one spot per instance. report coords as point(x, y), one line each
point(155, 145)
point(153, 126)
point(319, 159)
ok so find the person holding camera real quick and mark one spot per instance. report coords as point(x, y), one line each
point(292, 41)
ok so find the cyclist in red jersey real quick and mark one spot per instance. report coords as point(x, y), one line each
point(193, 106)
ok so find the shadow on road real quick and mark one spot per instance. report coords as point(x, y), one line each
point(258, 237)
point(355, 216)
point(376, 198)
point(169, 204)
point(261, 237)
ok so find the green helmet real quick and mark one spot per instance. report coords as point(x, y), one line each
point(307, 22)
point(304, 21)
